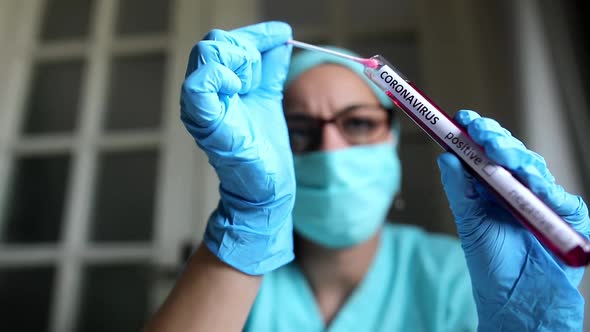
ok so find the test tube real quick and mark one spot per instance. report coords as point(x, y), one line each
point(551, 230)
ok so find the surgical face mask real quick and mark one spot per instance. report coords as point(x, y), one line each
point(343, 196)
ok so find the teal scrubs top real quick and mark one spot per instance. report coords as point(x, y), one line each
point(417, 282)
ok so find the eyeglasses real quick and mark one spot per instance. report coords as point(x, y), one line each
point(358, 124)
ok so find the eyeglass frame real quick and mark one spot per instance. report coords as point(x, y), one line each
point(321, 123)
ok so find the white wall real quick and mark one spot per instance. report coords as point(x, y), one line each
point(544, 123)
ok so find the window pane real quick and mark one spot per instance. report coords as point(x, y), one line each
point(143, 16)
point(114, 298)
point(381, 14)
point(296, 12)
point(66, 19)
point(35, 209)
point(136, 90)
point(25, 298)
point(125, 196)
point(54, 96)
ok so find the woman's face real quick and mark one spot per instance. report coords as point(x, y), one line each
point(328, 91)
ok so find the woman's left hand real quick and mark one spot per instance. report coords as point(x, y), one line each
point(517, 283)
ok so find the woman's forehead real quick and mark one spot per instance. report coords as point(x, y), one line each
point(327, 88)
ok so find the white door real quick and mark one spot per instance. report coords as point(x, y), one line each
point(99, 183)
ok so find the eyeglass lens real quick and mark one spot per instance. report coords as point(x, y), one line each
point(363, 124)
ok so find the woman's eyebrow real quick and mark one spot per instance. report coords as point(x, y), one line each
point(355, 106)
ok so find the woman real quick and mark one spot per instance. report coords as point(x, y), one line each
point(351, 272)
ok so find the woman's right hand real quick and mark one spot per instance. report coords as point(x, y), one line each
point(231, 103)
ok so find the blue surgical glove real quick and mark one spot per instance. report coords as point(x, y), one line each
point(231, 103)
point(517, 284)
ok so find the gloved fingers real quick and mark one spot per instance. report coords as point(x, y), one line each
point(469, 208)
point(245, 64)
point(527, 165)
point(200, 98)
point(465, 117)
point(516, 157)
point(248, 49)
point(275, 66)
point(573, 210)
point(500, 145)
point(213, 35)
point(487, 131)
point(270, 39)
point(253, 40)
point(459, 186)
point(265, 36)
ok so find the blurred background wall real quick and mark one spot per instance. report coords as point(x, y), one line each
point(101, 188)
